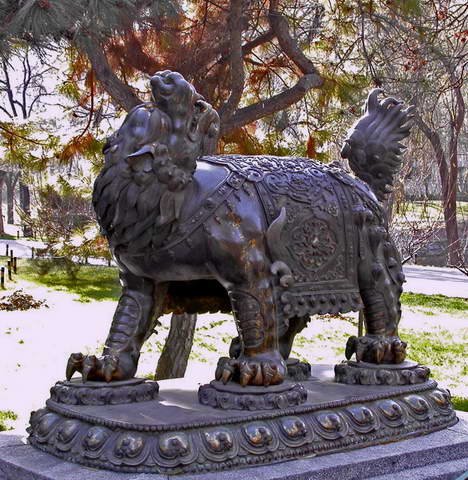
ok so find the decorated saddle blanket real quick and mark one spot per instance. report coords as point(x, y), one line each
point(316, 236)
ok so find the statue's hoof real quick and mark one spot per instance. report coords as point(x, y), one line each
point(376, 349)
point(259, 370)
point(107, 368)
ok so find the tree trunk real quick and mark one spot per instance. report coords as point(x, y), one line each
point(449, 201)
point(11, 179)
point(2, 227)
point(450, 217)
point(176, 351)
point(450, 208)
point(25, 205)
point(449, 204)
point(10, 202)
point(448, 180)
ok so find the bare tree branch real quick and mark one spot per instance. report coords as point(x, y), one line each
point(26, 82)
point(8, 88)
point(6, 111)
point(250, 45)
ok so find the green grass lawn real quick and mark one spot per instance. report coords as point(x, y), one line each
point(101, 283)
point(7, 236)
point(439, 349)
point(435, 301)
point(6, 416)
point(431, 209)
point(92, 283)
point(442, 350)
point(460, 403)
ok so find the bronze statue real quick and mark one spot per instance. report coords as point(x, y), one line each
point(272, 239)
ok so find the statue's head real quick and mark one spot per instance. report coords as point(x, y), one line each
point(195, 123)
point(164, 138)
point(152, 158)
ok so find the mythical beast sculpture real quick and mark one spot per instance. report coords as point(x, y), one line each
point(272, 239)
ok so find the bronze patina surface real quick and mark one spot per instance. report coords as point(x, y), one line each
point(175, 433)
point(272, 240)
point(363, 373)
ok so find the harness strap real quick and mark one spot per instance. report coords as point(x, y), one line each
point(233, 181)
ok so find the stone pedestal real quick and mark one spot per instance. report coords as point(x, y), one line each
point(175, 434)
point(441, 455)
point(234, 397)
point(363, 373)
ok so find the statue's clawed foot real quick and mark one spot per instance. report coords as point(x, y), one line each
point(376, 349)
point(260, 370)
point(106, 368)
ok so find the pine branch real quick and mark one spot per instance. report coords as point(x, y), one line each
point(311, 78)
point(289, 45)
point(271, 105)
point(120, 92)
point(14, 134)
point(236, 67)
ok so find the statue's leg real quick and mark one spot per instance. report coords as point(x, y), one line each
point(133, 322)
point(380, 283)
point(259, 361)
point(285, 340)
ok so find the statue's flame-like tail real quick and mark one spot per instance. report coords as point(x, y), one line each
point(373, 145)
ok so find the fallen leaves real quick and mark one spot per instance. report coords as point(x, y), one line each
point(20, 300)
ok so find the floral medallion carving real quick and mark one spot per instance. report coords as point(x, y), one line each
point(313, 243)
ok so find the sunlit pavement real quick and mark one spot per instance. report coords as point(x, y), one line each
point(429, 280)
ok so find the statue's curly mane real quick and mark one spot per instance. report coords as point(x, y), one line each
point(150, 160)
